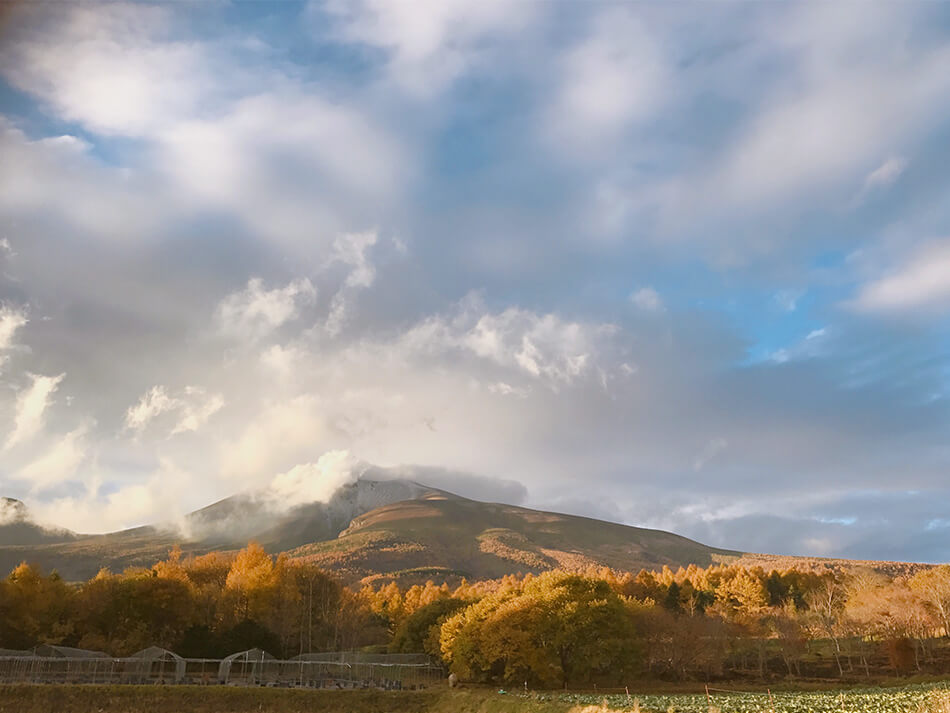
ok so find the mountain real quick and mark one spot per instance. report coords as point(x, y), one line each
point(396, 529)
point(443, 535)
point(258, 516)
point(382, 530)
point(17, 526)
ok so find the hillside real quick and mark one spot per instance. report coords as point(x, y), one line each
point(17, 527)
point(379, 530)
point(387, 528)
point(444, 535)
point(225, 525)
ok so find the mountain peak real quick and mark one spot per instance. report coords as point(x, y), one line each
point(12, 510)
point(18, 528)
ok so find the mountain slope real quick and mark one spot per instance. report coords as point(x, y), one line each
point(226, 525)
point(377, 530)
point(18, 528)
point(447, 535)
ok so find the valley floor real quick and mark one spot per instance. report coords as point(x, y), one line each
point(919, 698)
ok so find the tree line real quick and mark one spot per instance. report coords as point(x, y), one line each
point(204, 606)
point(558, 628)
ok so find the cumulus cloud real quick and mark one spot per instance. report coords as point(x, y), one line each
point(647, 299)
point(191, 409)
point(31, 406)
point(158, 498)
point(283, 433)
point(351, 250)
point(542, 346)
point(103, 66)
point(315, 482)
point(11, 320)
point(255, 312)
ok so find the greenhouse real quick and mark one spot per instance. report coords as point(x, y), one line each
point(254, 667)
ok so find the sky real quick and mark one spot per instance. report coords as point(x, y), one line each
point(678, 265)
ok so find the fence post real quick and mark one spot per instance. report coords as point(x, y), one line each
point(708, 697)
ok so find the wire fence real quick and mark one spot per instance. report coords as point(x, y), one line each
point(235, 670)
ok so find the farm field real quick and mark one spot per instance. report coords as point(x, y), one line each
point(929, 698)
point(924, 698)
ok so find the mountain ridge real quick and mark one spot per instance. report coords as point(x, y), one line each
point(383, 530)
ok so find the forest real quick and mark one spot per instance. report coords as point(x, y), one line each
point(555, 629)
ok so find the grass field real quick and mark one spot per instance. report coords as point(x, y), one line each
point(926, 698)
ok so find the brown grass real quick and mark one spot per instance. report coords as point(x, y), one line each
point(221, 699)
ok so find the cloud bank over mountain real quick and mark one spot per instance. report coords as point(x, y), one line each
point(611, 259)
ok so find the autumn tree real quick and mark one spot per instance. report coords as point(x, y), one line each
point(34, 608)
point(933, 588)
point(124, 613)
point(826, 607)
point(419, 632)
point(560, 628)
point(251, 585)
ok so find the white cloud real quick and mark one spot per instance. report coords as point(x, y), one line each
point(542, 346)
point(429, 43)
point(58, 464)
point(154, 402)
point(615, 76)
point(157, 499)
point(920, 285)
point(255, 312)
point(647, 299)
point(192, 408)
point(315, 482)
point(885, 174)
point(313, 176)
point(810, 132)
point(11, 511)
point(31, 405)
point(280, 360)
point(11, 319)
point(505, 389)
point(197, 406)
point(350, 249)
point(102, 65)
point(280, 434)
point(58, 177)
point(208, 118)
